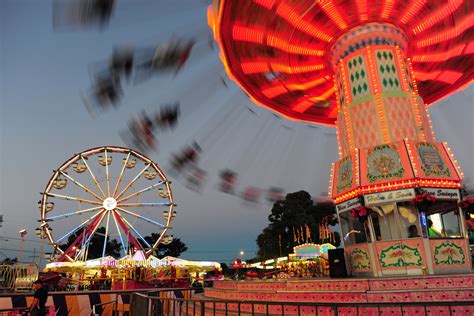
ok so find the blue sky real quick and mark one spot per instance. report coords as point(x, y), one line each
point(43, 122)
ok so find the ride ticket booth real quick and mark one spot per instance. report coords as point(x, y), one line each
point(394, 237)
point(398, 209)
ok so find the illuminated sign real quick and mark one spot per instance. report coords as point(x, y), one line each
point(389, 196)
point(444, 194)
point(348, 205)
point(307, 251)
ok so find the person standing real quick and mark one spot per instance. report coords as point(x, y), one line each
point(432, 232)
point(38, 307)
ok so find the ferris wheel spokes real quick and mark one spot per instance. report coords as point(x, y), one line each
point(106, 228)
point(78, 227)
point(119, 233)
point(133, 180)
point(93, 176)
point(148, 204)
point(66, 215)
point(71, 198)
point(151, 187)
point(107, 178)
point(89, 232)
point(146, 219)
point(134, 230)
point(81, 185)
point(121, 174)
point(130, 237)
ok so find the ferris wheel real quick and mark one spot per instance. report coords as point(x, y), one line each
point(103, 195)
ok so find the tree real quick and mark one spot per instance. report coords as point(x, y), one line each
point(9, 261)
point(295, 212)
point(174, 249)
point(96, 244)
point(225, 269)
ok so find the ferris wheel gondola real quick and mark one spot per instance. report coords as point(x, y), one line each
point(111, 191)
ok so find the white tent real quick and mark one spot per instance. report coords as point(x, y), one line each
point(104, 261)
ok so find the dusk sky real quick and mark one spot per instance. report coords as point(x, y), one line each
point(43, 122)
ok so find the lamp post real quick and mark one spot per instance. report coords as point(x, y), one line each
point(22, 233)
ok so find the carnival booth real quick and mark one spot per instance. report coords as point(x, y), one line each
point(307, 260)
point(404, 232)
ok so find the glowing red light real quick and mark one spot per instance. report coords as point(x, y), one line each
point(362, 9)
point(292, 17)
point(330, 9)
point(246, 34)
point(461, 26)
point(412, 9)
point(438, 15)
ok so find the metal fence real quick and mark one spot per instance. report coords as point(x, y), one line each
point(143, 304)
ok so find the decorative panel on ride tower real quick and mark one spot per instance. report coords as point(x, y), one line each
point(387, 69)
point(431, 161)
point(400, 119)
point(359, 257)
point(365, 124)
point(385, 164)
point(358, 76)
point(342, 131)
point(425, 121)
point(346, 174)
point(447, 254)
point(405, 255)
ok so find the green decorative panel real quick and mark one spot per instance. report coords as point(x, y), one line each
point(387, 71)
point(400, 256)
point(344, 175)
point(358, 77)
point(383, 162)
point(432, 162)
point(359, 259)
point(449, 253)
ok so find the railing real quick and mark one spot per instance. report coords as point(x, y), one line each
point(95, 310)
point(13, 311)
point(17, 311)
point(142, 304)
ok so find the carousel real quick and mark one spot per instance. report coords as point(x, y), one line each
point(129, 272)
point(370, 69)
